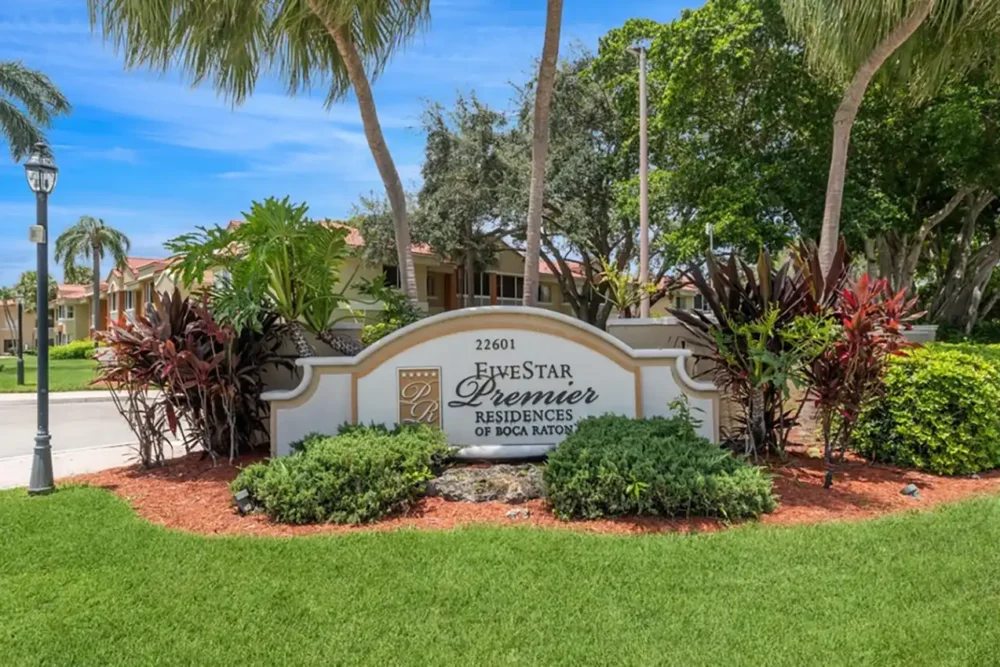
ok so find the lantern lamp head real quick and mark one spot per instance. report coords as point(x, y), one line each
point(41, 170)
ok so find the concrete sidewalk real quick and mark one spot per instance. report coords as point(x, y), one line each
point(15, 471)
point(95, 396)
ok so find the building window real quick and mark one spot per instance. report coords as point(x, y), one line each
point(480, 288)
point(148, 293)
point(699, 302)
point(130, 300)
point(544, 294)
point(510, 290)
point(431, 286)
point(69, 312)
point(392, 277)
point(114, 302)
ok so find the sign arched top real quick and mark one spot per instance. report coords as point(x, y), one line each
point(501, 382)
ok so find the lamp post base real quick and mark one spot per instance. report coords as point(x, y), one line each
point(41, 467)
point(20, 371)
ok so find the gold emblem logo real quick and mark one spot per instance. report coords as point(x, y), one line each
point(420, 396)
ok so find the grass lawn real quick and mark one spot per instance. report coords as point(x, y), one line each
point(85, 582)
point(64, 374)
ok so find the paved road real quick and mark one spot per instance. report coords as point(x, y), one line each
point(73, 426)
point(88, 435)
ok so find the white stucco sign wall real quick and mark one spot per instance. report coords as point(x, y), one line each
point(501, 382)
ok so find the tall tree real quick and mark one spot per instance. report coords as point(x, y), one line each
point(8, 301)
point(734, 117)
point(26, 288)
point(540, 147)
point(28, 103)
point(586, 227)
point(926, 40)
point(90, 238)
point(78, 275)
point(231, 42)
point(464, 175)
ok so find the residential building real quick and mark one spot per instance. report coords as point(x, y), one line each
point(8, 328)
point(440, 283)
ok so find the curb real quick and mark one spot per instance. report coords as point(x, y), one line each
point(54, 398)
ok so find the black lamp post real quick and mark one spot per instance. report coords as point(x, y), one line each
point(20, 340)
point(41, 172)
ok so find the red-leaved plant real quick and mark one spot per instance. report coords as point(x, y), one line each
point(179, 372)
point(851, 372)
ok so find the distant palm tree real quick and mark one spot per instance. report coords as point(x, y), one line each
point(8, 296)
point(540, 148)
point(930, 40)
point(231, 42)
point(91, 239)
point(28, 102)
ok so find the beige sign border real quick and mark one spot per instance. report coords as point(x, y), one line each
point(492, 317)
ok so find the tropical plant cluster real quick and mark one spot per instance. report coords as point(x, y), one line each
point(276, 261)
point(770, 330)
point(397, 311)
point(360, 475)
point(616, 466)
point(938, 412)
point(180, 373)
point(764, 326)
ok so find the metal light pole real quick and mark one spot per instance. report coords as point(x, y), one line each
point(41, 172)
point(643, 185)
point(20, 340)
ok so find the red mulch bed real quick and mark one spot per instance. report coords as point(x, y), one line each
point(191, 494)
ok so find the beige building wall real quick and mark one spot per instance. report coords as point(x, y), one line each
point(8, 335)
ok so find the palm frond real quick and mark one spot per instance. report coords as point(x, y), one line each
point(20, 131)
point(231, 43)
point(840, 35)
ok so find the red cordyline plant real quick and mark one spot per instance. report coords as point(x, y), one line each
point(751, 309)
point(179, 372)
point(851, 372)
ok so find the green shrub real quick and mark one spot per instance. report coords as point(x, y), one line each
point(940, 413)
point(78, 349)
point(613, 466)
point(989, 352)
point(360, 475)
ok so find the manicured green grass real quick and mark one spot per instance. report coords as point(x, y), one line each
point(64, 375)
point(85, 582)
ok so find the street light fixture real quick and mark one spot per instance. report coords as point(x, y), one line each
point(640, 51)
point(20, 341)
point(41, 172)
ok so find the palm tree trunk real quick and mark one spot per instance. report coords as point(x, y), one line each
point(298, 336)
point(95, 302)
point(540, 148)
point(380, 151)
point(843, 122)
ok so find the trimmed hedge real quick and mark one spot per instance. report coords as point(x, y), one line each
point(358, 476)
point(615, 466)
point(940, 412)
point(78, 349)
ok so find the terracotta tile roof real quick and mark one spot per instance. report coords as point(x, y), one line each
point(66, 291)
point(135, 264)
point(576, 268)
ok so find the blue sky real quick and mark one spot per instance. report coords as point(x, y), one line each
point(154, 157)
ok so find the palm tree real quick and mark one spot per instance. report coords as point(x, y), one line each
point(230, 42)
point(929, 40)
point(540, 148)
point(91, 239)
point(8, 295)
point(28, 103)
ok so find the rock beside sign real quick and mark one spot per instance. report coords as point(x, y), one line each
point(505, 483)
